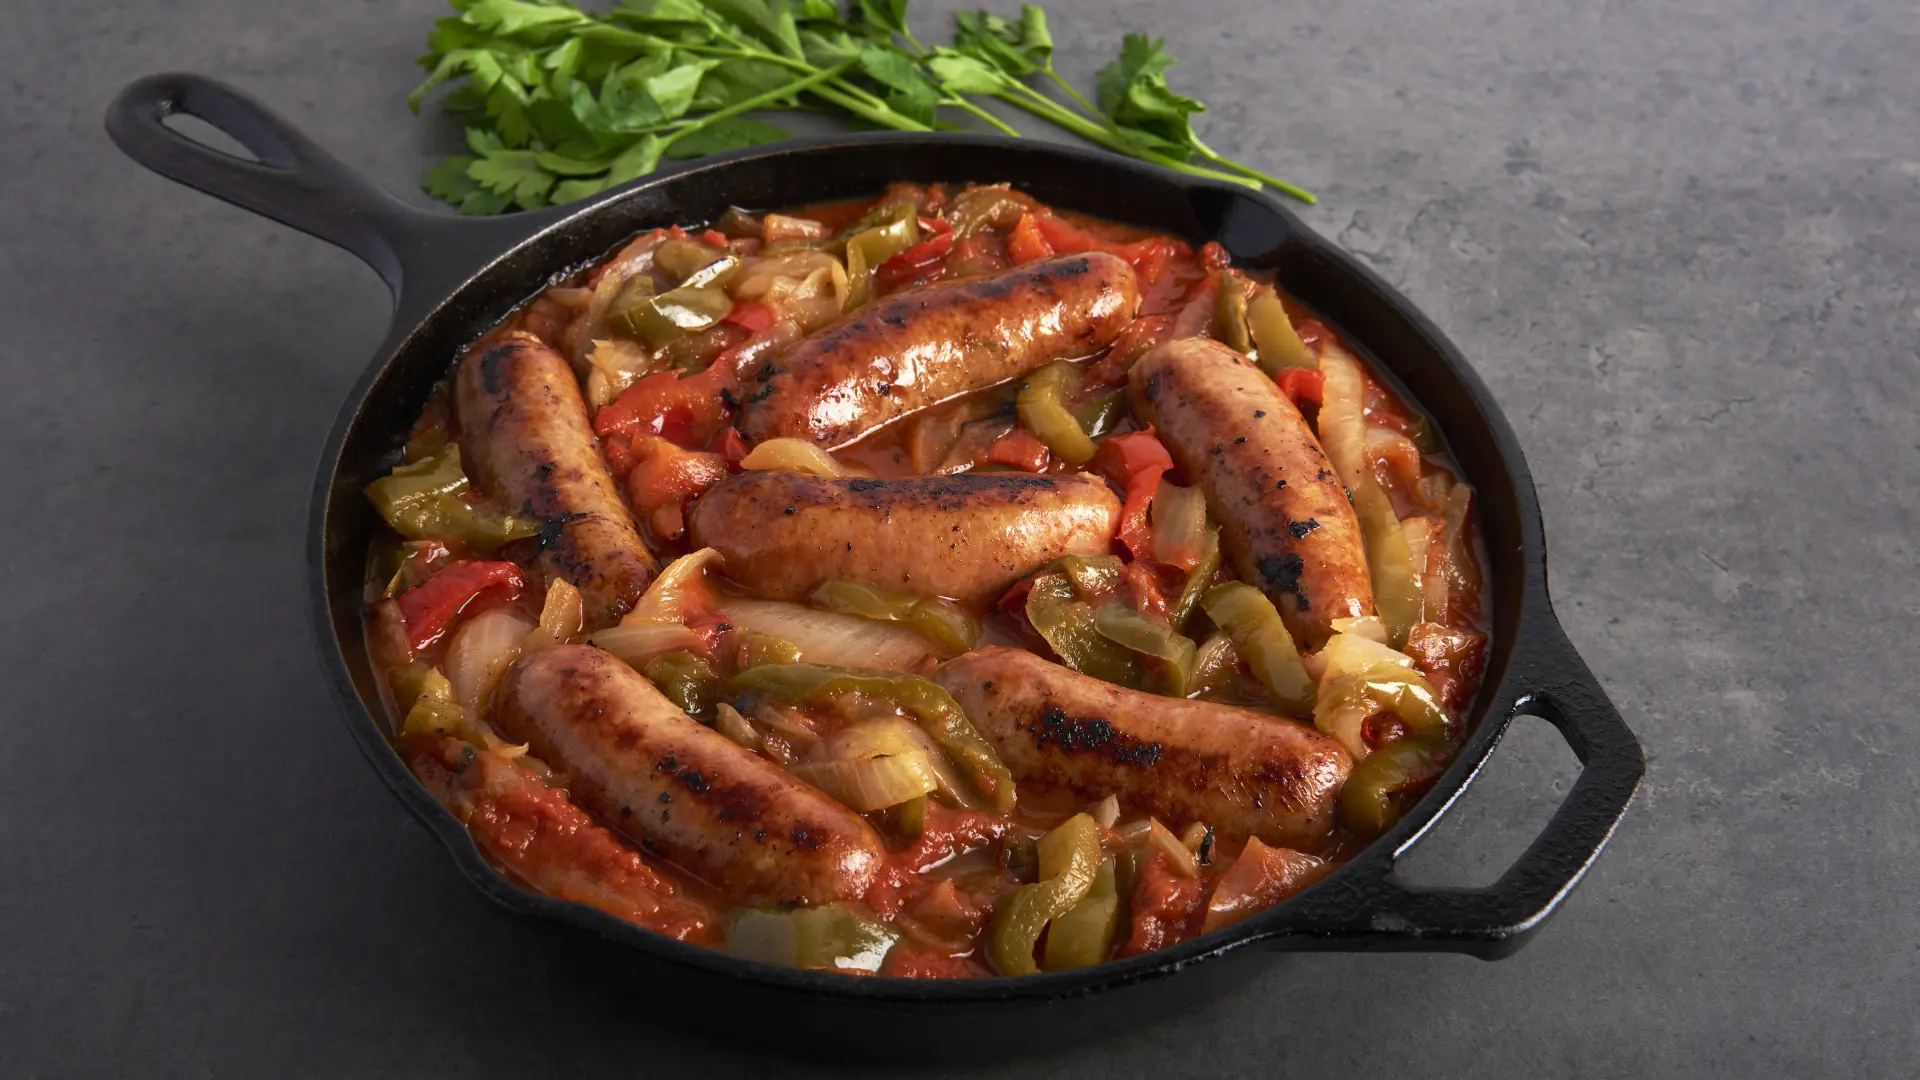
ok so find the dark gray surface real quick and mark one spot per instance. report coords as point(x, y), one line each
point(1680, 245)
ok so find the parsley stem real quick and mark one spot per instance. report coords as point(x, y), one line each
point(760, 100)
point(836, 90)
point(1071, 92)
point(1212, 155)
point(1046, 108)
point(999, 124)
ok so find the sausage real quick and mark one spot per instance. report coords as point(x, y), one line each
point(967, 536)
point(1285, 520)
point(525, 435)
point(536, 832)
point(1245, 773)
point(919, 347)
point(684, 792)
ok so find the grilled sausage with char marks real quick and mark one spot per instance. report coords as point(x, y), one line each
point(1243, 772)
point(919, 347)
point(683, 791)
point(525, 435)
point(1284, 517)
point(967, 536)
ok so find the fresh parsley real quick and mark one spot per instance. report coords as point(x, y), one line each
point(561, 103)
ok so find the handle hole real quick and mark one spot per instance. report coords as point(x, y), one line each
point(199, 131)
point(1505, 809)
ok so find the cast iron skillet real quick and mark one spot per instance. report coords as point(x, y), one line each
point(453, 278)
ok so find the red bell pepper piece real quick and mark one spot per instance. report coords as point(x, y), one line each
point(687, 411)
point(728, 444)
point(1303, 385)
point(913, 264)
point(618, 450)
point(755, 315)
point(1025, 244)
point(1134, 462)
point(713, 238)
point(664, 477)
point(1019, 448)
point(430, 607)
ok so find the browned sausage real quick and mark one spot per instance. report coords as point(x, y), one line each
point(1243, 772)
point(1284, 517)
point(922, 346)
point(685, 792)
point(967, 536)
point(525, 434)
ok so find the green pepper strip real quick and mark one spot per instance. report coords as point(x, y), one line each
point(1279, 345)
point(1084, 935)
point(1170, 653)
point(867, 249)
point(757, 649)
point(1098, 414)
point(1374, 795)
point(1198, 581)
point(1043, 409)
point(1094, 576)
point(1069, 861)
point(663, 319)
point(830, 938)
point(927, 702)
point(1068, 625)
point(1231, 315)
point(1213, 662)
point(422, 502)
point(939, 621)
point(1259, 636)
point(686, 680)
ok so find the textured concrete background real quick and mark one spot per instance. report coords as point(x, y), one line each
point(1681, 243)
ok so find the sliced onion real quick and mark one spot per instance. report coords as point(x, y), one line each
point(793, 455)
point(1367, 626)
point(872, 783)
point(786, 722)
point(826, 637)
point(636, 644)
point(1179, 525)
point(1347, 654)
point(561, 617)
point(480, 652)
point(728, 721)
point(634, 259)
point(1343, 433)
point(1161, 838)
point(1106, 812)
point(894, 735)
point(1261, 877)
point(666, 600)
point(613, 365)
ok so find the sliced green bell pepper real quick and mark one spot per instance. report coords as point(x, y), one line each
point(1069, 861)
point(931, 707)
point(1259, 636)
point(422, 501)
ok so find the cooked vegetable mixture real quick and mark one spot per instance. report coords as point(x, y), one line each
point(932, 586)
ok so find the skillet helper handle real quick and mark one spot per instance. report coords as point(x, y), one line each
point(1549, 680)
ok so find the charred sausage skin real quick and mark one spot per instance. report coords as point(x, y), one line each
point(1284, 517)
point(921, 346)
point(683, 791)
point(526, 439)
point(1244, 773)
point(966, 536)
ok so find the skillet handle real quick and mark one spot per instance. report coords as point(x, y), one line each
point(1376, 911)
point(295, 182)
